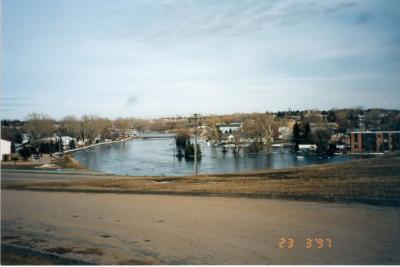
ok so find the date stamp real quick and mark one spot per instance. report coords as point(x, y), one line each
point(308, 243)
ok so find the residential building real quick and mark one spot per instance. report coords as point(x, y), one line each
point(25, 138)
point(307, 147)
point(376, 141)
point(131, 132)
point(5, 149)
point(285, 133)
point(340, 138)
point(229, 127)
point(64, 139)
point(333, 127)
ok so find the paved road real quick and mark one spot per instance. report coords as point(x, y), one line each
point(148, 229)
point(14, 175)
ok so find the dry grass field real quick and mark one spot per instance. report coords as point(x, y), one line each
point(374, 179)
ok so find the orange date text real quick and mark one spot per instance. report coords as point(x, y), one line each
point(309, 243)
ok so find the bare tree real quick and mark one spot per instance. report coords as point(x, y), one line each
point(122, 124)
point(266, 126)
point(71, 126)
point(39, 125)
point(263, 127)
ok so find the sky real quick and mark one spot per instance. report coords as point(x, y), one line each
point(145, 58)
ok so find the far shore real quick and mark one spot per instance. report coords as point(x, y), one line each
point(71, 151)
point(66, 161)
point(371, 181)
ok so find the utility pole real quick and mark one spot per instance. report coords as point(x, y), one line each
point(195, 122)
point(173, 149)
point(60, 143)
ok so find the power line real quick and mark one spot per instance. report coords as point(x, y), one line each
point(194, 121)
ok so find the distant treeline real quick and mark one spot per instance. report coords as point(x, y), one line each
point(88, 127)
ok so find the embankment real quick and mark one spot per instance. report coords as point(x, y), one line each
point(372, 181)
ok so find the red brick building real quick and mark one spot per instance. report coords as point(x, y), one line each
point(379, 141)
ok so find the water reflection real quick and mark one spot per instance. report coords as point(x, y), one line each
point(155, 157)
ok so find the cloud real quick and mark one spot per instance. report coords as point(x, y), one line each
point(132, 100)
point(9, 105)
point(194, 20)
point(340, 7)
point(197, 53)
point(12, 102)
point(363, 18)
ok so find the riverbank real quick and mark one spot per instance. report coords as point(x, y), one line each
point(55, 161)
point(46, 162)
point(71, 151)
point(372, 181)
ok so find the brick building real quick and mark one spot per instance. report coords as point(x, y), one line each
point(379, 141)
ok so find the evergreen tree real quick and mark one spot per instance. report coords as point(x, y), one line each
point(72, 144)
point(25, 152)
point(189, 151)
point(42, 148)
point(296, 136)
point(56, 145)
point(61, 146)
point(321, 138)
point(181, 140)
point(307, 138)
point(52, 146)
point(331, 116)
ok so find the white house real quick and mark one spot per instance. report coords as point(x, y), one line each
point(229, 127)
point(307, 147)
point(131, 132)
point(81, 143)
point(64, 139)
point(5, 148)
point(25, 138)
point(285, 133)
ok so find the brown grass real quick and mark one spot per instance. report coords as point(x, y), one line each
point(367, 178)
point(69, 162)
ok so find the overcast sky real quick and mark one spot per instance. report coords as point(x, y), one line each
point(158, 58)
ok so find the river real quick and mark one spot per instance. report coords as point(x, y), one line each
point(140, 157)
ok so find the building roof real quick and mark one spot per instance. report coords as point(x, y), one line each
point(375, 132)
point(232, 124)
point(3, 140)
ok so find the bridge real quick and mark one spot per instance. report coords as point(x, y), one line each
point(156, 136)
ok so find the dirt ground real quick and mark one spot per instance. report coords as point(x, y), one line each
point(45, 161)
point(159, 229)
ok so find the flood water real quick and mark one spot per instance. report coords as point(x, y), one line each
point(155, 157)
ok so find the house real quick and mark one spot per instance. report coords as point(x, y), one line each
point(307, 147)
point(97, 139)
point(285, 133)
point(25, 138)
point(340, 138)
point(81, 143)
point(361, 121)
point(131, 132)
point(64, 139)
point(376, 141)
point(333, 127)
point(229, 127)
point(5, 149)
